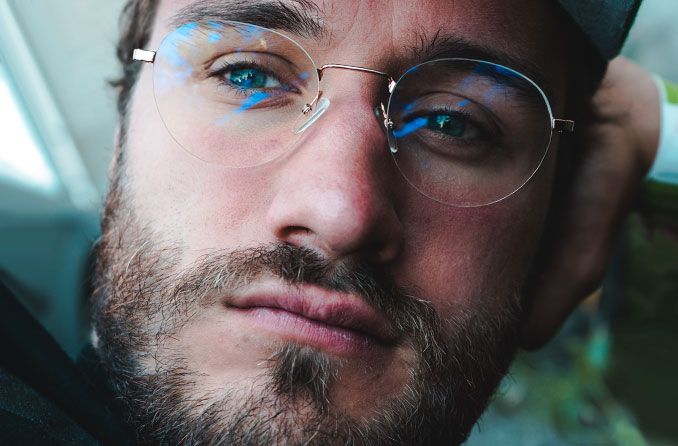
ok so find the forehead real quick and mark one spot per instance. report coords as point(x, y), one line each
point(523, 28)
point(526, 35)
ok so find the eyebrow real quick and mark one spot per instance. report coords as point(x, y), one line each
point(448, 46)
point(304, 19)
point(299, 17)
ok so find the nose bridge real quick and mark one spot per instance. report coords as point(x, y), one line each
point(391, 82)
point(350, 133)
point(320, 104)
point(359, 133)
point(335, 66)
point(333, 192)
point(348, 143)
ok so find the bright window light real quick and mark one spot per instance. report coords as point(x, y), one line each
point(21, 158)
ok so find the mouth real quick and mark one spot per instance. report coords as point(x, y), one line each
point(338, 322)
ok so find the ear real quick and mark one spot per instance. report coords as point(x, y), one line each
point(580, 232)
point(556, 293)
point(612, 163)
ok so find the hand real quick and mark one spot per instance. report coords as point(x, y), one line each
point(620, 149)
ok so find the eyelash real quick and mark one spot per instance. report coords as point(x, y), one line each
point(455, 113)
point(228, 67)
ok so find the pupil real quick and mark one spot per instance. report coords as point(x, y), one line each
point(248, 78)
point(446, 124)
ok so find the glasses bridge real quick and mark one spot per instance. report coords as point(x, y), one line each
point(391, 81)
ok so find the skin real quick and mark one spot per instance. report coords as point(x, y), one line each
point(619, 152)
point(340, 194)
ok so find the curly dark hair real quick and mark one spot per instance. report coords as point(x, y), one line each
point(136, 24)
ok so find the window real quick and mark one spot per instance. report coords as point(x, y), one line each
point(22, 159)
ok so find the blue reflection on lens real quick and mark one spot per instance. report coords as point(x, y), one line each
point(505, 71)
point(251, 32)
point(176, 58)
point(303, 75)
point(182, 76)
point(463, 103)
point(223, 120)
point(187, 29)
point(215, 37)
point(183, 33)
point(493, 91)
point(424, 162)
point(214, 25)
point(410, 127)
point(466, 83)
point(244, 106)
point(252, 101)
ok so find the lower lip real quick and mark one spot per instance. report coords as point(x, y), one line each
point(295, 327)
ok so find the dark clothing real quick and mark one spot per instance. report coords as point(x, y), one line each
point(45, 399)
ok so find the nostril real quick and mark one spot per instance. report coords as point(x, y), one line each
point(336, 194)
point(297, 235)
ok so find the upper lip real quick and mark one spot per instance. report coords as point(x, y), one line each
point(341, 310)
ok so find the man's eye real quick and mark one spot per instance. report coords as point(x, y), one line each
point(251, 78)
point(452, 125)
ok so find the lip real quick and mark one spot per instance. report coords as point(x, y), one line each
point(339, 321)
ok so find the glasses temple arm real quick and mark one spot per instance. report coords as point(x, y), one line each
point(563, 126)
point(143, 56)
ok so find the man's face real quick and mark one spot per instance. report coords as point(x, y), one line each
point(319, 297)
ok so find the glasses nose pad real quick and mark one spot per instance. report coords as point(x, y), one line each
point(305, 121)
point(380, 113)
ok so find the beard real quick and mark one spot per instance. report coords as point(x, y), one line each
point(143, 298)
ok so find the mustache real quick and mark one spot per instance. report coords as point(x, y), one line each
point(291, 264)
point(218, 273)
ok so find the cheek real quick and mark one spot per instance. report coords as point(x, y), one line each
point(459, 255)
point(203, 205)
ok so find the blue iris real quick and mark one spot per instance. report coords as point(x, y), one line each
point(447, 124)
point(248, 78)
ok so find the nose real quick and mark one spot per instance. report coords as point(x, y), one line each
point(335, 192)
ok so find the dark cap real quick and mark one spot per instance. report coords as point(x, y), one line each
point(605, 22)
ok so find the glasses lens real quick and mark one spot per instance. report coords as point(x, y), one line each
point(467, 132)
point(232, 93)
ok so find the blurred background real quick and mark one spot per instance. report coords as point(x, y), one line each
point(609, 378)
